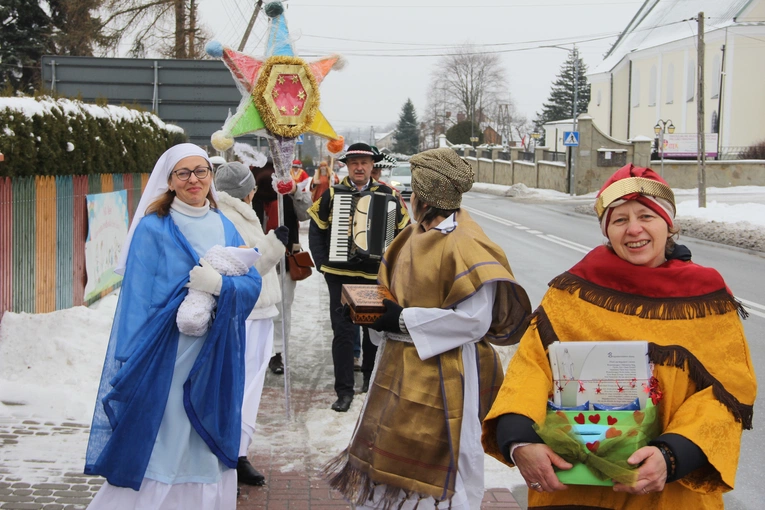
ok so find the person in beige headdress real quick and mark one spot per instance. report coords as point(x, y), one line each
point(418, 437)
point(322, 180)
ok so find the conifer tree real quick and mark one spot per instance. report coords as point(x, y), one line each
point(24, 38)
point(407, 133)
point(560, 102)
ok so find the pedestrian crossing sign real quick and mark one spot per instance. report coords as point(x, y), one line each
point(571, 138)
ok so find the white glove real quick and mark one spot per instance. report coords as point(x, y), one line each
point(205, 278)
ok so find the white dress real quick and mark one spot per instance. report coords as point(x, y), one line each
point(183, 473)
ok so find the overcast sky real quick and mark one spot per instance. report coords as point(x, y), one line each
point(389, 45)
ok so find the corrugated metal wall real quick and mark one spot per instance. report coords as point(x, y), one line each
point(43, 228)
point(6, 243)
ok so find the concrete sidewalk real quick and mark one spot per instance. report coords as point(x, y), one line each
point(292, 474)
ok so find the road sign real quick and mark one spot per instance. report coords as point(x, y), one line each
point(571, 138)
point(299, 140)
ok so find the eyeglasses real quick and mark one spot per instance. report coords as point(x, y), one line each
point(184, 174)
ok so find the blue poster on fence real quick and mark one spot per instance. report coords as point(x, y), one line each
point(107, 229)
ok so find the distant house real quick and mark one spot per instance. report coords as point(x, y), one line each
point(491, 137)
point(650, 73)
point(385, 140)
point(554, 133)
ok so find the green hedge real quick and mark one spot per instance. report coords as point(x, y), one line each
point(49, 136)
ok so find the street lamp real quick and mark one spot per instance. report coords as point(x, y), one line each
point(661, 127)
point(535, 135)
point(474, 140)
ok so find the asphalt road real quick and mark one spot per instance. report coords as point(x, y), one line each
point(542, 240)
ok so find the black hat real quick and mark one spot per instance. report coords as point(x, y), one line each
point(361, 149)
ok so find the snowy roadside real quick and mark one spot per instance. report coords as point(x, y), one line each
point(733, 216)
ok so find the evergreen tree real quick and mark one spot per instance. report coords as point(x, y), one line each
point(76, 31)
point(407, 133)
point(462, 131)
point(560, 103)
point(25, 31)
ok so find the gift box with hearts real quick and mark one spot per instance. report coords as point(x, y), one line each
point(598, 443)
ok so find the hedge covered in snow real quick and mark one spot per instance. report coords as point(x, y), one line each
point(50, 136)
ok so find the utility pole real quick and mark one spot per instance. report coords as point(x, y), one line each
point(179, 50)
point(250, 25)
point(191, 45)
point(573, 150)
point(702, 154)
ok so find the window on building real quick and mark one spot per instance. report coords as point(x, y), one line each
point(690, 86)
point(652, 87)
point(670, 84)
point(635, 88)
point(715, 85)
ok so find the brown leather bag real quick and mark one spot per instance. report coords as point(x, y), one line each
point(299, 265)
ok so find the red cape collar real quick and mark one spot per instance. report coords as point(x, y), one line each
point(673, 279)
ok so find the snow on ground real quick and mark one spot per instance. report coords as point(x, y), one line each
point(723, 213)
point(50, 363)
point(750, 206)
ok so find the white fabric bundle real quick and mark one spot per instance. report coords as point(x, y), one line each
point(195, 313)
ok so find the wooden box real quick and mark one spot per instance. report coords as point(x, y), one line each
point(366, 302)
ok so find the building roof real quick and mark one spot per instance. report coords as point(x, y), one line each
point(660, 22)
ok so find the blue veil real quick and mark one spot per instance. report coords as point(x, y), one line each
point(140, 357)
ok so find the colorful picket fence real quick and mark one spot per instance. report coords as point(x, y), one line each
point(43, 228)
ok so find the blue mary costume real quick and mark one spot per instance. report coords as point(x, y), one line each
point(169, 405)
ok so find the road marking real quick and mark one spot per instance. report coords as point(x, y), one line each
point(547, 237)
point(750, 305)
point(565, 243)
point(574, 246)
point(491, 217)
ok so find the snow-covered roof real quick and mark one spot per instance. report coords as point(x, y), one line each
point(660, 22)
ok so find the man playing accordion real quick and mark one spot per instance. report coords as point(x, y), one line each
point(330, 246)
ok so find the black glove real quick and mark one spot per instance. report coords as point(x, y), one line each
point(282, 233)
point(388, 321)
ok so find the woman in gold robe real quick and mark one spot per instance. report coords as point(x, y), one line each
point(640, 286)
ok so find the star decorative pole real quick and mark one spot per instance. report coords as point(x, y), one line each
point(280, 101)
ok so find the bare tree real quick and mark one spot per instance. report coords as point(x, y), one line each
point(437, 113)
point(473, 80)
point(165, 27)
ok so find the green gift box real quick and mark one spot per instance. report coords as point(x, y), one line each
point(598, 443)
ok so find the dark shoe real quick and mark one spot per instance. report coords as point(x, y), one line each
point(275, 363)
point(247, 474)
point(342, 404)
point(365, 385)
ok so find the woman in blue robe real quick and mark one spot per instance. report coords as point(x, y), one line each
point(166, 427)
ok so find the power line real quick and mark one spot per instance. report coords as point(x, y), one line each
point(444, 45)
point(574, 40)
point(606, 3)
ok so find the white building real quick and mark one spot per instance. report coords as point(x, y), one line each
point(650, 73)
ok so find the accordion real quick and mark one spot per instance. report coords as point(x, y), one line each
point(363, 225)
